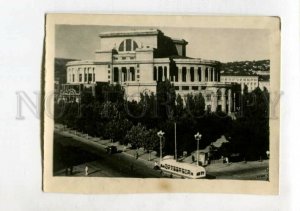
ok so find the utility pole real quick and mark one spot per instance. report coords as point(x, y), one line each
point(198, 137)
point(160, 135)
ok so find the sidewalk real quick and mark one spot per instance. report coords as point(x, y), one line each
point(149, 160)
point(143, 156)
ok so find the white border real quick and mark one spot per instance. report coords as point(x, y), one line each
point(21, 40)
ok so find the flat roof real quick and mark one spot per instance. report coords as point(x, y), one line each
point(143, 32)
point(180, 41)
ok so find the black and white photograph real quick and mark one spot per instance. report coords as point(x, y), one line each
point(163, 102)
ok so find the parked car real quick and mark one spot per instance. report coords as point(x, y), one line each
point(111, 149)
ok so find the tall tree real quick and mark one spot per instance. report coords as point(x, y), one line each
point(166, 97)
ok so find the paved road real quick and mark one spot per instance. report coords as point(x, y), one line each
point(70, 152)
point(256, 173)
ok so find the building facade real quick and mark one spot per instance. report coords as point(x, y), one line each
point(139, 60)
point(251, 81)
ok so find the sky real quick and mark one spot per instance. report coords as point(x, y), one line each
point(225, 45)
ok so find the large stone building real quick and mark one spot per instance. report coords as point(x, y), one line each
point(140, 59)
point(251, 81)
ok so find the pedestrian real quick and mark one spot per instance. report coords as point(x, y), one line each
point(193, 158)
point(86, 170)
point(136, 154)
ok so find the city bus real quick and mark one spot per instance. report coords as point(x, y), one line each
point(183, 170)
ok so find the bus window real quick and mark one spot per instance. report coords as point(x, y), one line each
point(192, 173)
point(198, 173)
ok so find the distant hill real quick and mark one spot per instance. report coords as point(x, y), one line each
point(245, 67)
point(60, 69)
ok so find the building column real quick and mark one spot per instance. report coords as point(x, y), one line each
point(83, 75)
point(209, 74)
point(203, 74)
point(93, 76)
point(179, 74)
point(188, 74)
point(234, 102)
point(163, 73)
point(77, 75)
point(214, 102)
point(128, 73)
point(223, 98)
point(229, 101)
point(120, 75)
point(213, 70)
point(168, 73)
point(194, 74)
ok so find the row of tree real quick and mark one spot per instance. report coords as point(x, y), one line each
point(110, 115)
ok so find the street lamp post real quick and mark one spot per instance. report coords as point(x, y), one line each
point(198, 137)
point(160, 135)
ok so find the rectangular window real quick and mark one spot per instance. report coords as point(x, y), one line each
point(73, 77)
point(195, 87)
point(90, 77)
point(192, 74)
point(80, 77)
point(93, 77)
point(184, 74)
point(185, 87)
point(176, 87)
point(116, 75)
point(85, 77)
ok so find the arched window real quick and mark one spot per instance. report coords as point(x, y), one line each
point(128, 45)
